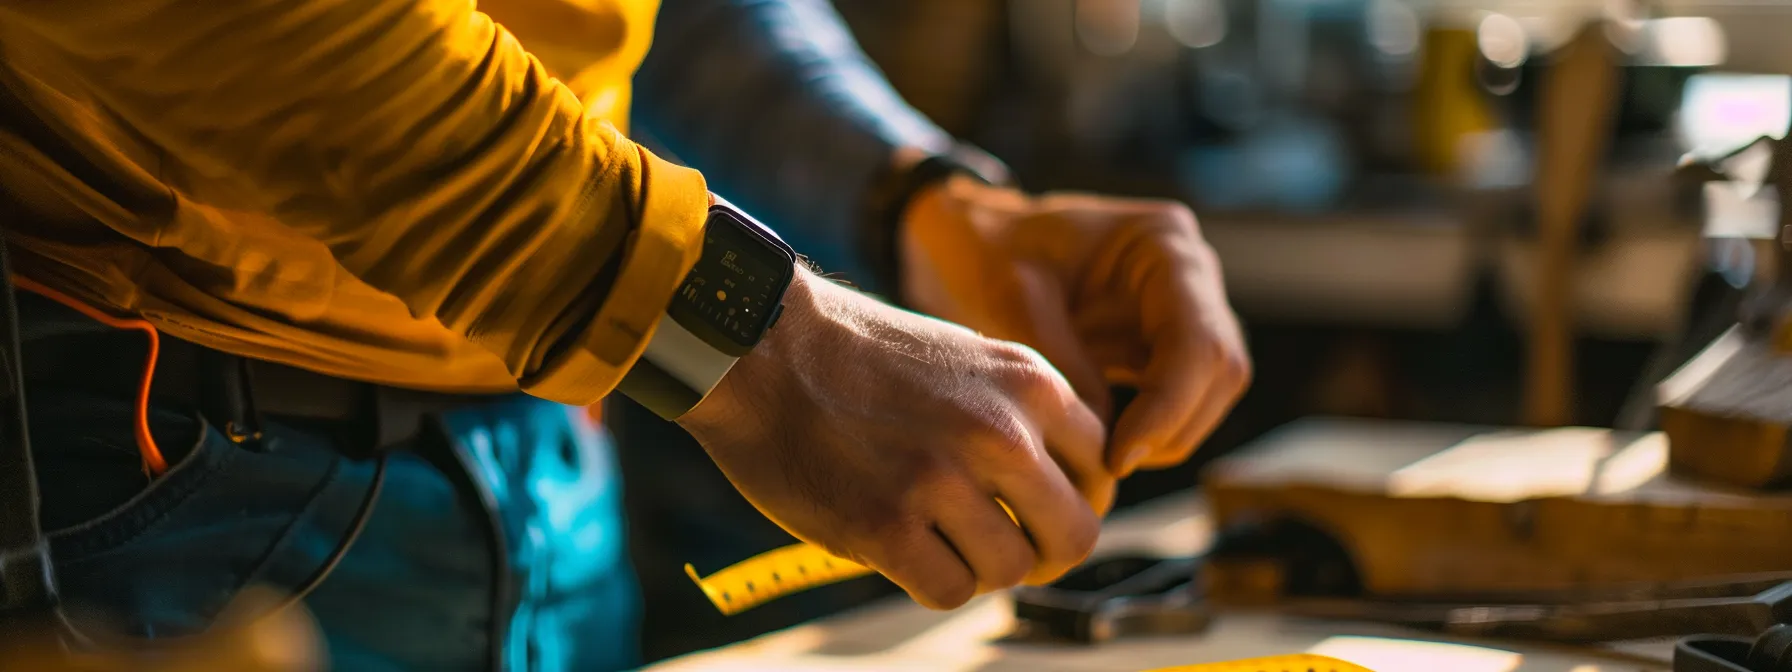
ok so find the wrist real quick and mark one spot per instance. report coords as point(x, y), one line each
point(749, 383)
point(913, 173)
point(799, 320)
point(917, 232)
point(952, 227)
point(726, 304)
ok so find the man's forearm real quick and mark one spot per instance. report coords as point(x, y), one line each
point(776, 104)
point(416, 139)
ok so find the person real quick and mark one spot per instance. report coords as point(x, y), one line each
point(730, 82)
point(383, 250)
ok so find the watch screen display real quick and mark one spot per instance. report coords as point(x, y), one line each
point(737, 284)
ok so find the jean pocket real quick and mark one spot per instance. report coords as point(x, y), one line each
point(167, 560)
point(92, 484)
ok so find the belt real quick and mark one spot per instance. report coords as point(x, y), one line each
point(63, 348)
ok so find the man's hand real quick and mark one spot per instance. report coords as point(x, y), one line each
point(887, 438)
point(1109, 290)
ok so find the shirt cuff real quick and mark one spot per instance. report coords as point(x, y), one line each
point(662, 249)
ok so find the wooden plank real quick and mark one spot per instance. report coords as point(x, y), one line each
point(898, 635)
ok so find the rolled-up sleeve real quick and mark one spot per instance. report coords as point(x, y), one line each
point(776, 103)
point(421, 144)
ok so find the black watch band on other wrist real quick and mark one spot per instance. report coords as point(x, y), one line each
point(889, 197)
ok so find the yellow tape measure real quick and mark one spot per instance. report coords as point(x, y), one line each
point(1300, 662)
point(779, 572)
point(799, 567)
point(773, 574)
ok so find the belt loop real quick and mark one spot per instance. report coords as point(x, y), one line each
point(398, 418)
point(231, 404)
point(248, 433)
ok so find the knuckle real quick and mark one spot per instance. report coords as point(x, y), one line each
point(1007, 439)
point(1078, 539)
point(1032, 379)
point(891, 522)
point(1086, 535)
point(887, 528)
point(1244, 376)
point(1015, 566)
point(1236, 366)
point(1024, 371)
point(900, 544)
point(1171, 217)
point(950, 592)
point(929, 472)
point(1206, 258)
point(1010, 352)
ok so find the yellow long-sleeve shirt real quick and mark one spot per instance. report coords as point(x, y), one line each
point(388, 190)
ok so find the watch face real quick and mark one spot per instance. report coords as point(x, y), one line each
point(734, 291)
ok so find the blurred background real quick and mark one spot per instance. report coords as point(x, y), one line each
point(1368, 171)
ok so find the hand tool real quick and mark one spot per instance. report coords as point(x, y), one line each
point(1740, 621)
point(1130, 596)
point(1745, 606)
point(1771, 652)
point(1116, 597)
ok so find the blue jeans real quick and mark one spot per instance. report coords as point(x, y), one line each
point(162, 557)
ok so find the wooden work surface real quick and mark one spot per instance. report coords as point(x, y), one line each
point(900, 635)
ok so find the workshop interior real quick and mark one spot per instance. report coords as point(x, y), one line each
point(1513, 279)
point(1516, 282)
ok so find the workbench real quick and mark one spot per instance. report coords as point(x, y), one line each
point(900, 635)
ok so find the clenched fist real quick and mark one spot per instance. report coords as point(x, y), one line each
point(893, 440)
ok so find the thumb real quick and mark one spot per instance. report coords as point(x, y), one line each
point(1042, 321)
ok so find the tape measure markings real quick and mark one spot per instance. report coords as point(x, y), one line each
point(742, 585)
point(773, 574)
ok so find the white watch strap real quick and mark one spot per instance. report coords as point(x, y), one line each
point(685, 358)
point(676, 371)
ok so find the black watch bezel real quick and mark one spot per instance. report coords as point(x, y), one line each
point(734, 294)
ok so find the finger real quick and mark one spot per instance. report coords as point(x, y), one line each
point(1215, 404)
point(1194, 342)
point(1231, 364)
point(1170, 392)
point(1190, 436)
point(1109, 335)
point(1098, 489)
point(1093, 483)
point(1050, 330)
point(994, 547)
point(1061, 525)
point(1077, 442)
point(1073, 435)
point(922, 563)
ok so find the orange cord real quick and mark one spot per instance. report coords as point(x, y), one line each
point(153, 463)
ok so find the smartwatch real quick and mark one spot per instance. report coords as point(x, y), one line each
point(724, 307)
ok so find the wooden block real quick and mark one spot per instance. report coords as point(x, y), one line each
point(1727, 410)
point(1452, 510)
